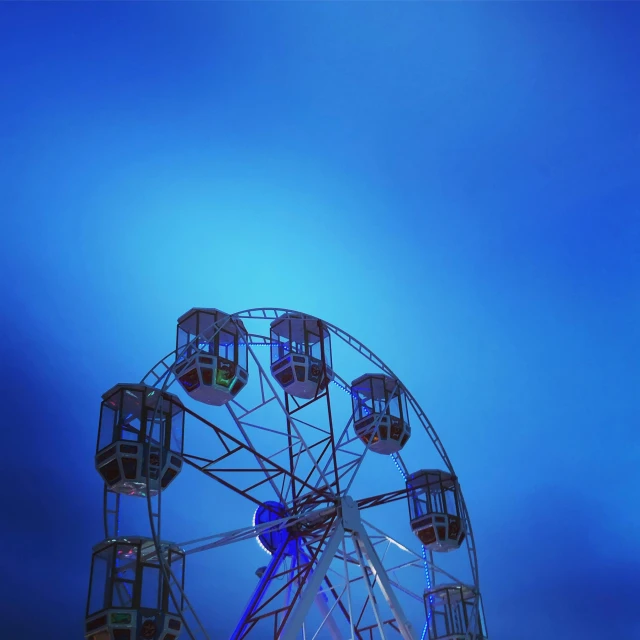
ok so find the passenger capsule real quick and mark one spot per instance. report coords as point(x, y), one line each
point(212, 357)
point(301, 355)
point(140, 439)
point(434, 509)
point(128, 599)
point(380, 413)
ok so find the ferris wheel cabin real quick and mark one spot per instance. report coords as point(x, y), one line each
point(140, 439)
point(212, 365)
point(380, 413)
point(140, 452)
point(300, 355)
point(453, 613)
point(129, 599)
point(434, 509)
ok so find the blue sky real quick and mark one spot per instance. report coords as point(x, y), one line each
point(456, 184)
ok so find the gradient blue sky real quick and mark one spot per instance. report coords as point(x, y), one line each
point(455, 184)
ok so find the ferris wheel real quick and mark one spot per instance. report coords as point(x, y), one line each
point(338, 475)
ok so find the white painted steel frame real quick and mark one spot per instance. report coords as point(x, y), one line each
point(161, 376)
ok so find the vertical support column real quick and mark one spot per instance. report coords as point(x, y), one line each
point(295, 622)
point(327, 616)
point(322, 603)
point(362, 539)
point(353, 523)
point(365, 576)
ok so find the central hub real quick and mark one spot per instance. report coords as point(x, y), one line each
point(272, 539)
point(293, 533)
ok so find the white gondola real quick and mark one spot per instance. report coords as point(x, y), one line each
point(300, 355)
point(140, 439)
point(212, 364)
point(434, 509)
point(454, 613)
point(127, 599)
point(380, 413)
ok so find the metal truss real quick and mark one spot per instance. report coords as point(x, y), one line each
point(273, 313)
point(302, 457)
point(309, 470)
point(236, 457)
point(309, 579)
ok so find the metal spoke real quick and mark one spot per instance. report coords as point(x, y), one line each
point(310, 467)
